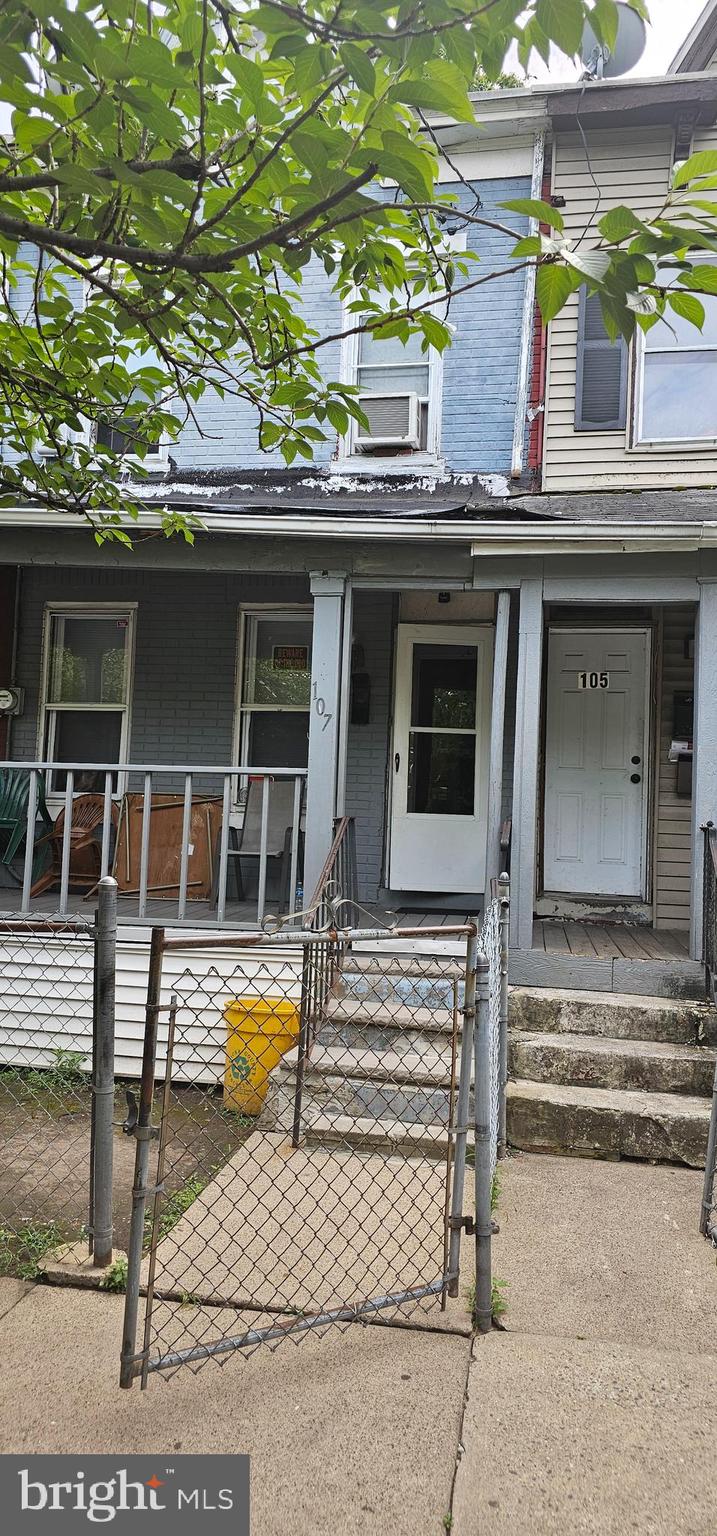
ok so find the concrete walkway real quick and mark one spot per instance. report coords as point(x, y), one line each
point(596, 1412)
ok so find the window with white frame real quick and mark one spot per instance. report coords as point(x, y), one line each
point(274, 687)
point(86, 689)
point(676, 384)
point(397, 390)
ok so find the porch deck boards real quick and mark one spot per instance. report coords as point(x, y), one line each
point(609, 941)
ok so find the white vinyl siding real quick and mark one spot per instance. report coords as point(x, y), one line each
point(636, 173)
point(673, 833)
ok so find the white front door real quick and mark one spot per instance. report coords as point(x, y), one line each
point(441, 747)
point(596, 766)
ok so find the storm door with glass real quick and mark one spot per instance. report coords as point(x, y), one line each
point(440, 758)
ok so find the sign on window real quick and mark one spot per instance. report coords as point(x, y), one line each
point(290, 658)
point(593, 681)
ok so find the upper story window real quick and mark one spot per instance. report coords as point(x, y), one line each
point(113, 435)
point(601, 385)
point(674, 378)
point(676, 381)
point(397, 394)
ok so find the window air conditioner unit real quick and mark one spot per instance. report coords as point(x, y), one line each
point(393, 422)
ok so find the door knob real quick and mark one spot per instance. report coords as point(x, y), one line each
point(397, 761)
point(636, 760)
point(635, 778)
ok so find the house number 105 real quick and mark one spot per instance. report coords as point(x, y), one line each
point(320, 707)
point(593, 680)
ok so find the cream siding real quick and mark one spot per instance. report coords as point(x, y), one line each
point(673, 824)
point(632, 167)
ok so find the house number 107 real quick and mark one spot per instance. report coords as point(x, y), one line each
point(320, 707)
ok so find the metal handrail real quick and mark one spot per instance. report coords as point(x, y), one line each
point(323, 954)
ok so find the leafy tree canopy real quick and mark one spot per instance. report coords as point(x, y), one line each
point(171, 169)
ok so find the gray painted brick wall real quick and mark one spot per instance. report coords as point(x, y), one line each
point(185, 653)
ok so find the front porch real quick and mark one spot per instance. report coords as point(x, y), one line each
point(633, 958)
point(432, 711)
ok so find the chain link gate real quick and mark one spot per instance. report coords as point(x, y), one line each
point(316, 1119)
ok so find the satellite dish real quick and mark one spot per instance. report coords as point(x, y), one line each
point(600, 62)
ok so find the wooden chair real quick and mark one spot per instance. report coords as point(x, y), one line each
point(14, 795)
point(245, 842)
point(85, 846)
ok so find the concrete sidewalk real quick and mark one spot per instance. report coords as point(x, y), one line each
point(348, 1434)
point(596, 1412)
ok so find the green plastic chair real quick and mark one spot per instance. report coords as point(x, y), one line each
point(14, 796)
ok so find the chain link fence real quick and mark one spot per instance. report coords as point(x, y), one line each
point(311, 1109)
point(53, 1077)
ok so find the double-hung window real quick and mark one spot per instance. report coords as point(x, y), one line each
point(86, 689)
point(676, 385)
point(275, 687)
point(395, 388)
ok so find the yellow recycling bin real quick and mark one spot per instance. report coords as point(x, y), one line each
point(260, 1030)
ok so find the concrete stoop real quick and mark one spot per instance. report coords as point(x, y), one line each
point(611, 1076)
point(599, 1074)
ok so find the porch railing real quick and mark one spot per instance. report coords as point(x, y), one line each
point(182, 834)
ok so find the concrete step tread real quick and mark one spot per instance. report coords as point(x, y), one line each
point(385, 1132)
point(605, 1045)
point(615, 1000)
point(350, 1010)
point(432, 1065)
point(612, 1099)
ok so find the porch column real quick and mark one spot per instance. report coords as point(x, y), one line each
point(497, 732)
point(526, 762)
point(704, 784)
point(327, 588)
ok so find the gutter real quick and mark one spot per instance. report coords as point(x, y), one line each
point(596, 538)
point(425, 529)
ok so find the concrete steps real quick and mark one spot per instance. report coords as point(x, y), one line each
point(608, 1123)
point(646, 1066)
point(611, 1076)
point(621, 1016)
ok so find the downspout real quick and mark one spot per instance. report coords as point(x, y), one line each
point(526, 330)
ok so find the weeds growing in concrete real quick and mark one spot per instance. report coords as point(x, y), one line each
point(22, 1251)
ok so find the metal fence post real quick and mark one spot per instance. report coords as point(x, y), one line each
point(503, 893)
point(103, 1072)
point(460, 1128)
point(482, 1306)
point(142, 1132)
point(709, 1181)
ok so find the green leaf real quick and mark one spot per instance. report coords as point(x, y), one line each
point(535, 208)
point(704, 163)
point(359, 67)
point(553, 287)
point(619, 224)
point(688, 307)
point(562, 21)
point(593, 264)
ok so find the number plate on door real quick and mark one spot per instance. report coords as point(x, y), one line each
point(593, 680)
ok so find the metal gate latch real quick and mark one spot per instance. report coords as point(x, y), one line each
point(462, 1224)
point(130, 1126)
